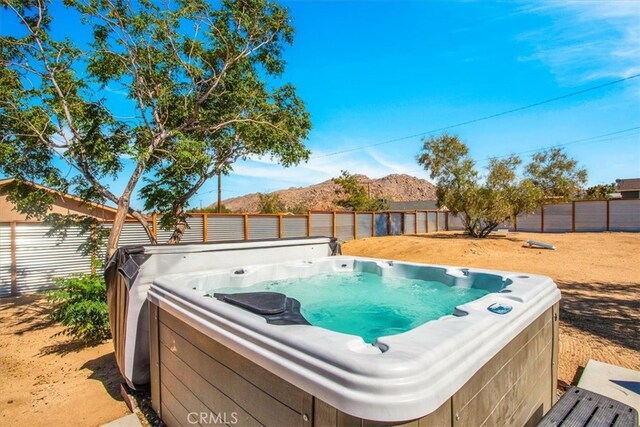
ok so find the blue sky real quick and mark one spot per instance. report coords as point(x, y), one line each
point(371, 72)
point(374, 71)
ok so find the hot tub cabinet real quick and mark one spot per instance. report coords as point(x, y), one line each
point(214, 363)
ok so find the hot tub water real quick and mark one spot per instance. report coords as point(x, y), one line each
point(367, 304)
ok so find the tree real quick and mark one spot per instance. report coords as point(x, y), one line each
point(557, 175)
point(600, 191)
point(196, 97)
point(482, 206)
point(270, 203)
point(354, 196)
point(211, 209)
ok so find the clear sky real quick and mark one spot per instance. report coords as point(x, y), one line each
point(374, 71)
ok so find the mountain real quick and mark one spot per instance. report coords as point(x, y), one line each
point(393, 187)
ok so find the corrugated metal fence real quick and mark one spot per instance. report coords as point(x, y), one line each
point(29, 260)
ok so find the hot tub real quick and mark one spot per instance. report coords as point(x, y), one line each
point(489, 361)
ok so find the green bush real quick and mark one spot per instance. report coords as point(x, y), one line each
point(80, 304)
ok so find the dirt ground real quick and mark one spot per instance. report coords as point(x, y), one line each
point(598, 274)
point(46, 380)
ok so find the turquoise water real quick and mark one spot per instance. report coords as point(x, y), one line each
point(367, 304)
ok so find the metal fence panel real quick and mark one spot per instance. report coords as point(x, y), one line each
point(192, 234)
point(432, 222)
point(344, 226)
point(365, 225)
point(530, 222)
point(591, 216)
point(382, 224)
point(39, 258)
point(294, 226)
point(263, 227)
point(132, 234)
point(322, 224)
point(395, 224)
point(557, 218)
point(409, 223)
point(5, 259)
point(225, 228)
point(442, 221)
point(455, 223)
point(422, 222)
point(624, 215)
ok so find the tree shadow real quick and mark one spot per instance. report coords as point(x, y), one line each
point(607, 310)
point(105, 370)
point(463, 236)
point(66, 347)
point(31, 312)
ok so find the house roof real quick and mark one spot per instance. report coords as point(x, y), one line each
point(631, 184)
point(5, 181)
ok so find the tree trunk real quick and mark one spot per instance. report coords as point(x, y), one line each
point(181, 226)
point(118, 224)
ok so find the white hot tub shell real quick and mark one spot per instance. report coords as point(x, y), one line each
point(476, 365)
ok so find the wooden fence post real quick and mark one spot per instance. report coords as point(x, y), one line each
point(573, 216)
point(608, 216)
point(154, 225)
point(205, 228)
point(280, 226)
point(355, 225)
point(308, 223)
point(437, 221)
point(388, 223)
point(335, 225)
point(415, 222)
point(14, 260)
point(373, 224)
point(542, 219)
point(446, 221)
point(246, 227)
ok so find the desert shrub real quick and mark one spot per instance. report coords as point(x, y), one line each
point(80, 304)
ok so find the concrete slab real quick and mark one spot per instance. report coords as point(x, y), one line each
point(612, 381)
point(130, 420)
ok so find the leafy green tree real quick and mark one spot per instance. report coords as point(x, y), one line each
point(481, 204)
point(354, 196)
point(211, 209)
point(299, 209)
point(270, 203)
point(600, 191)
point(556, 174)
point(198, 93)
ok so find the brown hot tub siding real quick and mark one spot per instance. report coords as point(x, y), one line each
point(191, 372)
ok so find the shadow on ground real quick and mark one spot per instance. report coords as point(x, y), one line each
point(512, 237)
point(105, 370)
point(607, 310)
point(31, 312)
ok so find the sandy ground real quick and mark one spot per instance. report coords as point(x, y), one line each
point(598, 274)
point(46, 380)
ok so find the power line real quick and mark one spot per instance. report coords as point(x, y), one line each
point(492, 116)
point(536, 150)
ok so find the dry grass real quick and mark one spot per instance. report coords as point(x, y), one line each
point(598, 274)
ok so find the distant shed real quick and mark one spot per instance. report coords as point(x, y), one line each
point(629, 189)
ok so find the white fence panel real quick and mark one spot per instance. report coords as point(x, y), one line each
point(530, 223)
point(294, 226)
point(344, 226)
point(624, 215)
point(557, 218)
point(39, 259)
point(263, 227)
point(455, 223)
point(591, 216)
point(322, 224)
point(5, 259)
point(409, 223)
point(365, 225)
point(220, 228)
point(422, 222)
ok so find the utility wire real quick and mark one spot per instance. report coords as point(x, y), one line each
point(492, 116)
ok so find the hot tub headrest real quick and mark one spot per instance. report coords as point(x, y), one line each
point(276, 308)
